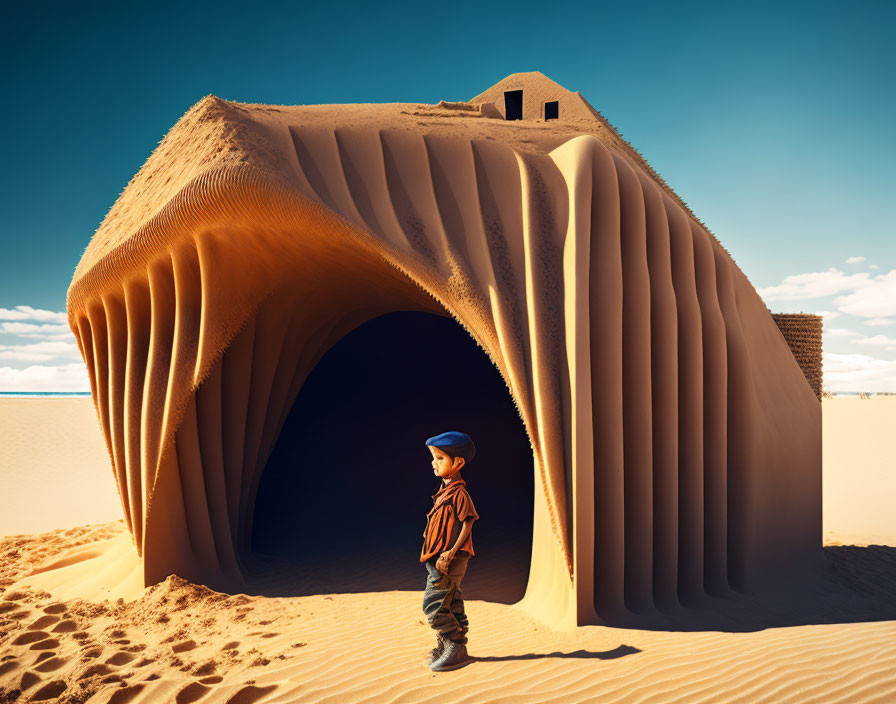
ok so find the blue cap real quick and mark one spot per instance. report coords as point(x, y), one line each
point(455, 444)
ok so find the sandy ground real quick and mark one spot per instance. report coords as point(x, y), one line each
point(52, 448)
point(61, 640)
point(859, 460)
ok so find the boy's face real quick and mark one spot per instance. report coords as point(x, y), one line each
point(443, 465)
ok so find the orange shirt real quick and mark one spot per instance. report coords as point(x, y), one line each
point(452, 505)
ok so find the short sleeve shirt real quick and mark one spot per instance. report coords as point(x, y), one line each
point(452, 506)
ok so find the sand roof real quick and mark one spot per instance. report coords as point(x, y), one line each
point(216, 133)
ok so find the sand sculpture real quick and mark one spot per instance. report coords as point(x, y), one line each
point(677, 443)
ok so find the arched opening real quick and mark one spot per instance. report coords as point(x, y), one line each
point(342, 502)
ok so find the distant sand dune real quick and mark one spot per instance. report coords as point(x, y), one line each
point(859, 459)
point(54, 468)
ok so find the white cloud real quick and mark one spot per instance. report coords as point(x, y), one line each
point(42, 336)
point(29, 313)
point(876, 340)
point(858, 372)
point(839, 332)
point(854, 260)
point(876, 299)
point(815, 284)
point(68, 377)
point(40, 351)
point(40, 328)
point(43, 353)
point(873, 266)
point(880, 321)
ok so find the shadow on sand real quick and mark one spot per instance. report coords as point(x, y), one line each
point(617, 652)
point(857, 584)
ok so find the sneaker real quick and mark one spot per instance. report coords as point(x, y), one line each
point(436, 652)
point(454, 656)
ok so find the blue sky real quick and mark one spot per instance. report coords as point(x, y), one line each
point(773, 121)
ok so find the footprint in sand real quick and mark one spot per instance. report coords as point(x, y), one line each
point(214, 679)
point(93, 653)
point(140, 647)
point(7, 666)
point(232, 645)
point(30, 637)
point(144, 662)
point(95, 670)
point(4, 608)
point(183, 646)
point(47, 644)
point(52, 690)
point(44, 655)
point(191, 693)
point(250, 694)
point(29, 679)
point(126, 694)
point(51, 664)
point(55, 609)
point(43, 622)
point(120, 658)
point(14, 596)
point(270, 635)
point(114, 678)
point(205, 669)
point(67, 626)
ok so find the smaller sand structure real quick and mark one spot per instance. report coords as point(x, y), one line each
point(676, 441)
point(531, 96)
point(803, 331)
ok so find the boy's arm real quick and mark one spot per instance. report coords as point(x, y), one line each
point(464, 532)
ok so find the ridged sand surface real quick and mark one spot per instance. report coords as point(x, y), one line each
point(181, 642)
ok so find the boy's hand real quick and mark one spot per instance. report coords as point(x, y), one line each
point(444, 561)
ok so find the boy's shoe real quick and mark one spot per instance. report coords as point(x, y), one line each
point(436, 652)
point(454, 656)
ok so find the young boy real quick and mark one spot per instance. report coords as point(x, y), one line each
point(447, 546)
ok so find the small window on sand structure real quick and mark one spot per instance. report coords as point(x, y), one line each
point(513, 105)
point(551, 110)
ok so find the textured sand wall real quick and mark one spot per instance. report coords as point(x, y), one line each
point(581, 278)
point(802, 331)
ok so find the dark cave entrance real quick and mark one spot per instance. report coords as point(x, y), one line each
point(344, 495)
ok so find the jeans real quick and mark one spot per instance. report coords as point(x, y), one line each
point(442, 602)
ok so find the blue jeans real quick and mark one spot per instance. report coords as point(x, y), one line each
point(442, 602)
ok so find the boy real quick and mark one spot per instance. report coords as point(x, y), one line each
point(447, 546)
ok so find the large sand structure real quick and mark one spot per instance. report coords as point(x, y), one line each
point(676, 441)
